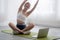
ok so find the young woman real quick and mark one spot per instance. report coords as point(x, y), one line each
point(21, 18)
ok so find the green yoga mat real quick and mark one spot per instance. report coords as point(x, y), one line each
point(29, 36)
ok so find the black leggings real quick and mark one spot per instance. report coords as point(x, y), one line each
point(21, 27)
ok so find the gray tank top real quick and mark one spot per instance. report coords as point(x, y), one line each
point(21, 16)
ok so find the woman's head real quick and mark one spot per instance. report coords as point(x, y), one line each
point(27, 5)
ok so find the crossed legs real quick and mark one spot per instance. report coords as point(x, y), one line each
point(14, 28)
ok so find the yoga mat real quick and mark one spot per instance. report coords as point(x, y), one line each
point(29, 36)
point(22, 35)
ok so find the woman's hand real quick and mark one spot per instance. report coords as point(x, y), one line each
point(21, 31)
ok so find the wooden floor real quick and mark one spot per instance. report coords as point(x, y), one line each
point(3, 36)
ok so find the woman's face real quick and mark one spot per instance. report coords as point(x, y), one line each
point(27, 5)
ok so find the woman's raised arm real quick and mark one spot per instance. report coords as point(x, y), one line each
point(29, 12)
point(20, 8)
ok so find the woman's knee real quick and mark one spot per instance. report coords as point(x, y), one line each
point(31, 25)
point(10, 23)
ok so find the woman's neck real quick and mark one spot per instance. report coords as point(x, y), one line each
point(24, 10)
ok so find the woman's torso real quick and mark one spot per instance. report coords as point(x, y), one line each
point(21, 17)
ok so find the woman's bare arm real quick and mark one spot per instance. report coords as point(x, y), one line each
point(20, 8)
point(28, 13)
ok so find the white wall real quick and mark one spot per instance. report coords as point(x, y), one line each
point(58, 10)
point(12, 10)
point(3, 12)
point(46, 13)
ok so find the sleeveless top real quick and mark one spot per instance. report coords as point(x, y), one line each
point(21, 16)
